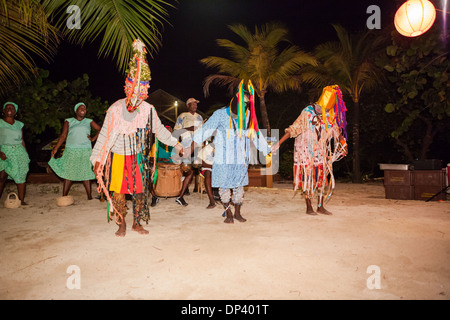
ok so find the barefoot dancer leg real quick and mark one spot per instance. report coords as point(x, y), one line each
point(309, 208)
point(87, 187)
point(320, 208)
point(66, 187)
point(120, 205)
point(229, 214)
point(21, 188)
point(139, 205)
point(208, 186)
point(225, 197)
point(238, 198)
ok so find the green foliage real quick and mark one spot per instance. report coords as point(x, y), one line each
point(43, 104)
point(418, 68)
point(24, 31)
point(348, 63)
point(115, 23)
point(286, 166)
point(30, 27)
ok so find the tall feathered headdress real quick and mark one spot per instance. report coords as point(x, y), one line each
point(138, 78)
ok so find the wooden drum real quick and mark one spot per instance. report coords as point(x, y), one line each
point(168, 181)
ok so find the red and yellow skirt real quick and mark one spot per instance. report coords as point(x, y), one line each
point(126, 175)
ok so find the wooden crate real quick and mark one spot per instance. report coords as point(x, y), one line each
point(398, 178)
point(426, 192)
point(399, 192)
point(255, 178)
point(429, 178)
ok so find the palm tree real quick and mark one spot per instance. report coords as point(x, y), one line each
point(261, 60)
point(349, 64)
point(34, 28)
point(24, 31)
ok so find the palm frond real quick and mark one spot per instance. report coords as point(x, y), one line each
point(222, 81)
point(345, 40)
point(116, 23)
point(24, 35)
point(242, 31)
point(271, 34)
point(292, 58)
point(236, 51)
point(347, 62)
point(283, 84)
point(224, 66)
point(318, 76)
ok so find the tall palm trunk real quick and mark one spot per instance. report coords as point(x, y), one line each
point(264, 115)
point(356, 131)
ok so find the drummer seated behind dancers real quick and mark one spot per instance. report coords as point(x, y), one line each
point(164, 155)
point(186, 124)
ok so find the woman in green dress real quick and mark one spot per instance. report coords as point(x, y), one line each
point(74, 165)
point(14, 160)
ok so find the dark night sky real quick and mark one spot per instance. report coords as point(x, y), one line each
point(196, 24)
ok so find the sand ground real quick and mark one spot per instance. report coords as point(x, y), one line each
point(371, 248)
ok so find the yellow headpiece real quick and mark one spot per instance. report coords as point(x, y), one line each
point(331, 100)
point(328, 98)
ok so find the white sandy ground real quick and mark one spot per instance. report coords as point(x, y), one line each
point(190, 254)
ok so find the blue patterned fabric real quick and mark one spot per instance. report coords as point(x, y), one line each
point(231, 151)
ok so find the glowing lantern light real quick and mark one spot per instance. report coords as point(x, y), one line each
point(414, 17)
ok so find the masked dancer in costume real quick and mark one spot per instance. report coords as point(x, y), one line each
point(320, 140)
point(121, 156)
point(236, 127)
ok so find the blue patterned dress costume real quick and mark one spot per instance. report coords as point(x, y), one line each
point(231, 152)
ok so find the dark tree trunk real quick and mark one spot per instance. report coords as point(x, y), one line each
point(406, 150)
point(264, 115)
point(428, 138)
point(356, 160)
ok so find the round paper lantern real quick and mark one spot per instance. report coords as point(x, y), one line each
point(414, 17)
